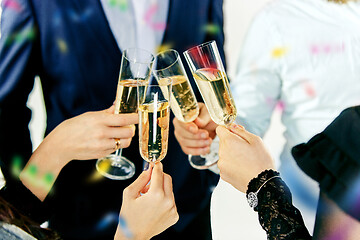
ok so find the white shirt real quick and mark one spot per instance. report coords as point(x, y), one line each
point(137, 23)
point(305, 54)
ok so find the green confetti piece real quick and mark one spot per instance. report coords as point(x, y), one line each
point(122, 4)
point(211, 28)
point(16, 165)
point(48, 178)
point(32, 170)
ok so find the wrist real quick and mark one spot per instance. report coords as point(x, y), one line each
point(42, 169)
point(125, 235)
point(49, 158)
point(256, 185)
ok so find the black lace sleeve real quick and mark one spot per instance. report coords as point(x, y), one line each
point(25, 201)
point(277, 216)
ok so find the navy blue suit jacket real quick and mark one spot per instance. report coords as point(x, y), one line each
point(69, 45)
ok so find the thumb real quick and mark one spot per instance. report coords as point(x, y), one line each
point(238, 130)
point(241, 132)
point(157, 177)
point(222, 132)
point(110, 109)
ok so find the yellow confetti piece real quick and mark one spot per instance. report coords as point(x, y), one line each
point(164, 47)
point(279, 52)
point(62, 45)
point(103, 166)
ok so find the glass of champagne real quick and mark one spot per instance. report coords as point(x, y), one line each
point(168, 65)
point(208, 71)
point(135, 71)
point(154, 119)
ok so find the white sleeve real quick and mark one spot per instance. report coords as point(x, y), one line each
point(256, 87)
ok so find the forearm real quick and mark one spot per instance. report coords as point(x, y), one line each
point(42, 169)
point(277, 215)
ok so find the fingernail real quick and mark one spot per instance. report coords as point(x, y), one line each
point(235, 126)
point(146, 165)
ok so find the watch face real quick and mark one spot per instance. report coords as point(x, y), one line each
point(252, 199)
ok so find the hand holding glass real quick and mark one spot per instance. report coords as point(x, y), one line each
point(154, 119)
point(210, 77)
point(134, 72)
point(168, 65)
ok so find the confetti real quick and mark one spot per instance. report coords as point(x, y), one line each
point(62, 45)
point(279, 52)
point(16, 165)
point(280, 106)
point(49, 178)
point(96, 176)
point(125, 229)
point(32, 170)
point(22, 36)
point(122, 4)
point(149, 16)
point(163, 47)
point(108, 220)
point(104, 167)
point(212, 29)
point(309, 89)
point(316, 49)
point(12, 4)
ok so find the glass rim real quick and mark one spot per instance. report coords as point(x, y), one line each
point(173, 63)
point(200, 46)
point(138, 49)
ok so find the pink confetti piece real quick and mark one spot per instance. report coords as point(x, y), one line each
point(316, 49)
point(280, 106)
point(12, 4)
point(309, 89)
point(149, 16)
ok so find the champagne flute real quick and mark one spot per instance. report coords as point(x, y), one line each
point(208, 71)
point(183, 101)
point(135, 72)
point(154, 119)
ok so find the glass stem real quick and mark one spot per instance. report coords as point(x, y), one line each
point(118, 152)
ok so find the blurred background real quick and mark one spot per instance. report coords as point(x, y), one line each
point(238, 15)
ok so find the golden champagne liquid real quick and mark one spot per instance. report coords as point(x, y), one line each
point(154, 130)
point(183, 101)
point(214, 88)
point(126, 95)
